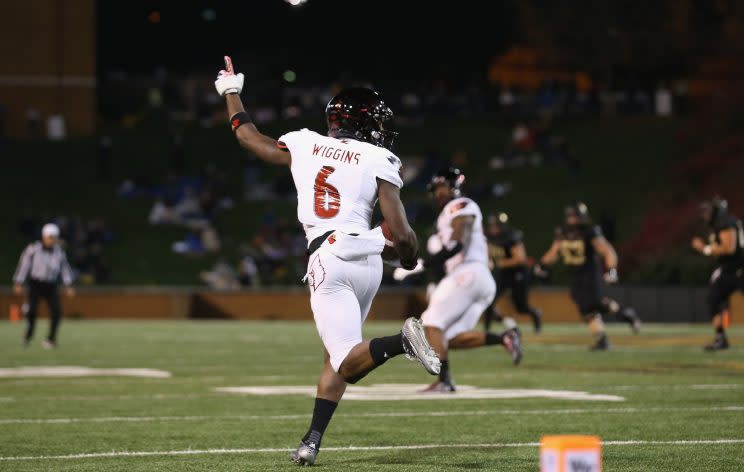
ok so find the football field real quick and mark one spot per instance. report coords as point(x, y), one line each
point(181, 396)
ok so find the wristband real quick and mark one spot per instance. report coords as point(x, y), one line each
point(239, 119)
point(708, 250)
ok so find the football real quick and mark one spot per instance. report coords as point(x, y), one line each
point(389, 253)
point(386, 232)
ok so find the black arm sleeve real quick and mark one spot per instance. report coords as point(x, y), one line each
point(439, 258)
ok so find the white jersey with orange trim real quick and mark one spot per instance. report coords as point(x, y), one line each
point(477, 249)
point(336, 180)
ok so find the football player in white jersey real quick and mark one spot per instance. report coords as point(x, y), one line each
point(339, 178)
point(468, 288)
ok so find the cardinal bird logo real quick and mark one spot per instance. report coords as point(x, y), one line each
point(316, 274)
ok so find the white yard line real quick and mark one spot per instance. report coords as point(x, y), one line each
point(153, 396)
point(169, 396)
point(67, 371)
point(675, 387)
point(93, 455)
point(394, 414)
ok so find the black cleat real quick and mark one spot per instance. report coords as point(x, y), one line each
point(636, 326)
point(537, 321)
point(512, 340)
point(632, 318)
point(719, 344)
point(602, 344)
point(440, 386)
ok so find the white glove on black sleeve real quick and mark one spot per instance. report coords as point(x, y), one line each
point(401, 273)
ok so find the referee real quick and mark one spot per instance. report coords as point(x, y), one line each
point(41, 267)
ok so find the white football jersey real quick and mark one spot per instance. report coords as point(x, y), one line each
point(336, 180)
point(477, 250)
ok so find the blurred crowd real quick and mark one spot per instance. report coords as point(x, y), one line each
point(192, 98)
point(533, 143)
point(276, 255)
point(188, 201)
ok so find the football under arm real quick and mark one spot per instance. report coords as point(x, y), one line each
point(394, 214)
point(264, 147)
point(605, 249)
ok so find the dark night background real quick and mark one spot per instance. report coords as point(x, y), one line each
point(321, 40)
point(406, 41)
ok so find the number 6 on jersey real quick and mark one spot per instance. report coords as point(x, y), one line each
point(327, 198)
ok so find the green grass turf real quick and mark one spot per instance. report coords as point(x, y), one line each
point(673, 392)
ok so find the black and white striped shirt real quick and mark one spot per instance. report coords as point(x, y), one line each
point(43, 265)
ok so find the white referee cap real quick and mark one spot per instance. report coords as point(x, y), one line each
point(50, 229)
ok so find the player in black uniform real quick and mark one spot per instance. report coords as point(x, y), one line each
point(590, 259)
point(726, 244)
point(508, 261)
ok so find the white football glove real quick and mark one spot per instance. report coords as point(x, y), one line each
point(227, 81)
point(430, 288)
point(401, 273)
point(611, 277)
point(434, 244)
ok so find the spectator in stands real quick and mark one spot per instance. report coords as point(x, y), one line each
point(522, 138)
point(248, 271)
point(201, 239)
point(663, 101)
point(221, 277)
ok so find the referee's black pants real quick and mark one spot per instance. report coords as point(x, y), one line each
point(48, 291)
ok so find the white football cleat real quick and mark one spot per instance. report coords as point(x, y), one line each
point(304, 455)
point(417, 347)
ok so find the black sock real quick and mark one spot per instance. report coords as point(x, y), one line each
point(627, 315)
point(720, 333)
point(493, 338)
point(321, 417)
point(444, 375)
point(382, 349)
